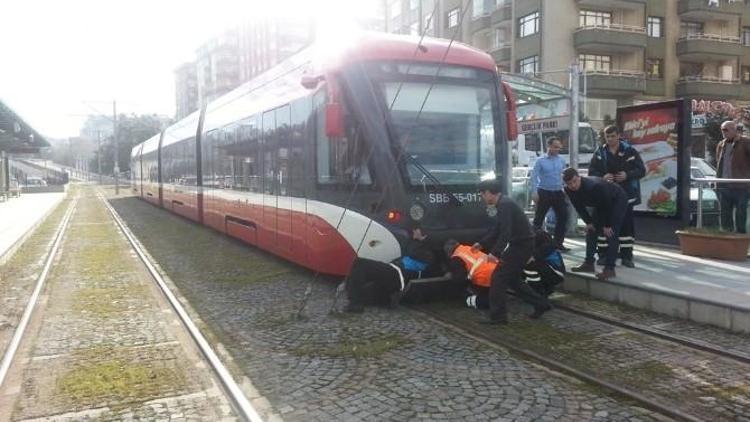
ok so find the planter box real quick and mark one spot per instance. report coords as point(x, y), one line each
point(731, 247)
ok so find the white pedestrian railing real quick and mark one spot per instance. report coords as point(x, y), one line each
point(710, 181)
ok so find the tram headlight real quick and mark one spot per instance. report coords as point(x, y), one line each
point(416, 212)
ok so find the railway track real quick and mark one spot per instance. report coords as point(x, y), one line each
point(556, 365)
point(654, 332)
point(14, 358)
point(237, 397)
point(20, 331)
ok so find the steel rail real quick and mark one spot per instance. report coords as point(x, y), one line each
point(238, 398)
point(15, 342)
point(642, 329)
point(647, 402)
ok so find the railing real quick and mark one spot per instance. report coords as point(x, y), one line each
point(614, 27)
point(705, 78)
point(624, 73)
point(710, 37)
point(701, 181)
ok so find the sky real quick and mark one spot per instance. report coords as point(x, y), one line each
point(63, 60)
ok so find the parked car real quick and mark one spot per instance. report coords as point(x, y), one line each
point(521, 186)
point(699, 168)
point(33, 181)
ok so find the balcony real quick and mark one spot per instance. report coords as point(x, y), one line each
point(501, 54)
point(502, 13)
point(479, 23)
point(699, 10)
point(614, 82)
point(708, 87)
point(708, 47)
point(613, 38)
point(613, 4)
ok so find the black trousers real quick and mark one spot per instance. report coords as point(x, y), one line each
point(626, 238)
point(372, 282)
point(510, 275)
point(733, 209)
point(555, 200)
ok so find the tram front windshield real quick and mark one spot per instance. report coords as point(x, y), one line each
point(444, 123)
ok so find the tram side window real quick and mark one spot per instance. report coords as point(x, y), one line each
point(238, 155)
point(342, 160)
point(208, 159)
point(300, 115)
point(283, 144)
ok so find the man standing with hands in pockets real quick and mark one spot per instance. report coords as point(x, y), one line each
point(547, 190)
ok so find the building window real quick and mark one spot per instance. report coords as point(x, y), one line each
point(501, 38)
point(453, 17)
point(746, 35)
point(746, 75)
point(654, 68)
point(691, 28)
point(529, 65)
point(414, 28)
point(593, 62)
point(594, 18)
point(654, 26)
point(396, 8)
point(528, 25)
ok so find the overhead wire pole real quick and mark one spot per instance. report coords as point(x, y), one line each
point(114, 137)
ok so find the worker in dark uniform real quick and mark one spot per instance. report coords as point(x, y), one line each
point(547, 268)
point(610, 204)
point(616, 161)
point(371, 281)
point(511, 240)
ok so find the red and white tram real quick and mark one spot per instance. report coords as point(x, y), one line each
point(320, 160)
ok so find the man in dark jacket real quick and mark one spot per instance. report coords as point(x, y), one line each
point(618, 162)
point(372, 281)
point(511, 240)
point(733, 158)
point(610, 204)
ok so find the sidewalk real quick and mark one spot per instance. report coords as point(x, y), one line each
point(19, 216)
point(665, 281)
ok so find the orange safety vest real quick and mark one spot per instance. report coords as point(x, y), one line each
point(480, 270)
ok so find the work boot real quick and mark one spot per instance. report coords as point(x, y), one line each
point(539, 311)
point(606, 274)
point(586, 267)
point(628, 263)
point(562, 248)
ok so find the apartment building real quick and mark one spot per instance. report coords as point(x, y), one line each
point(186, 89)
point(265, 42)
point(628, 50)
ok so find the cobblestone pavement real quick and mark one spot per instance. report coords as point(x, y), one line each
point(104, 345)
point(737, 342)
point(699, 383)
point(380, 365)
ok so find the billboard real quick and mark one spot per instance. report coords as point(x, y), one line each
point(656, 131)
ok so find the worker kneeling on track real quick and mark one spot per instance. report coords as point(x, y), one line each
point(375, 282)
point(542, 273)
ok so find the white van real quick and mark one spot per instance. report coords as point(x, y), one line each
point(533, 135)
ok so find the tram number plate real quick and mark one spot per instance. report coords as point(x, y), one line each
point(443, 198)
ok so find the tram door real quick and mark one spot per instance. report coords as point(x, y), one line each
point(283, 179)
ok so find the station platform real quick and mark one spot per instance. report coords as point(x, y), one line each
point(20, 216)
point(703, 290)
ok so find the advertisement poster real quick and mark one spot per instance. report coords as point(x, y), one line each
point(653, 132)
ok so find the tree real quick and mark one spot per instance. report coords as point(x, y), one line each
point(131, 130)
